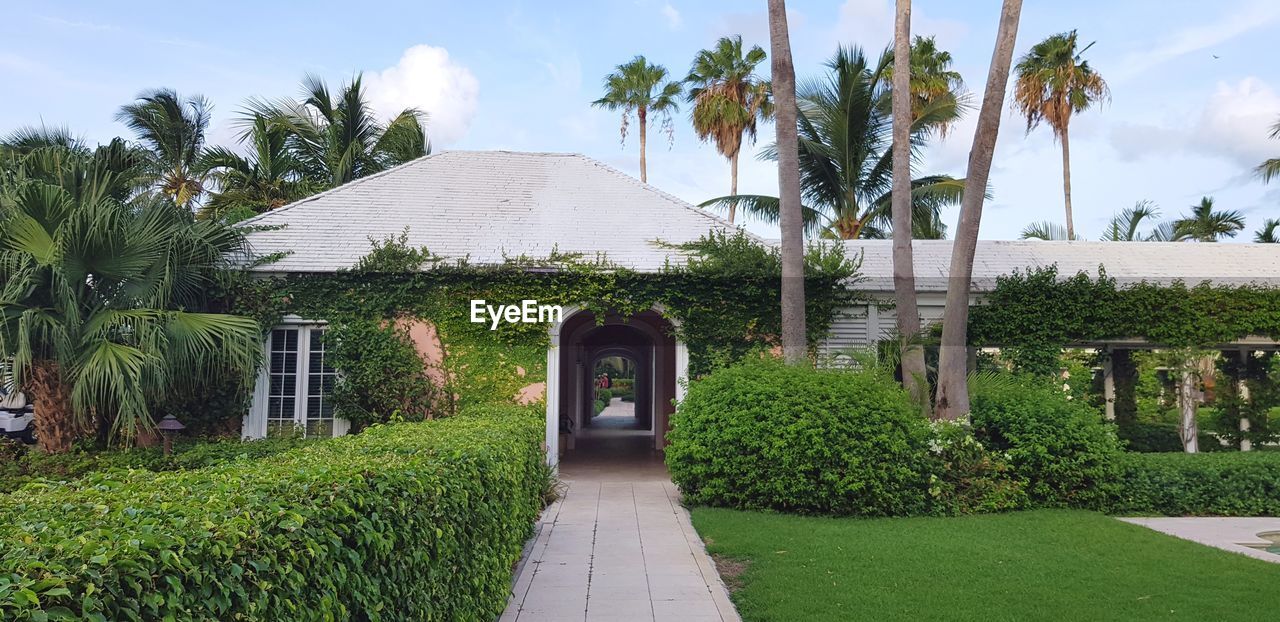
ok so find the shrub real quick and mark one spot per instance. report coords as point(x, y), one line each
point(1145, 437)
point(765, 435)
point(1218, 484)
point(381, 374)
point(604, 395)
point(22, 465)
point(970, 479)
point(1061, 447)
point(409, 521)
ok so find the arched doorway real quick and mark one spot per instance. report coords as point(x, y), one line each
point(578, 343)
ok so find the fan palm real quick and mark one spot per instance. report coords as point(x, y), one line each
point(337, 138)
point(1271, 168)
point(846, 162)
point(1206, 225)
point(932, 77)
point(641, 87)
point(1267, 234)
point(1053, 83)
point(95, 293)
point(271, 176)
point(173, 128)
point(728, 100)
point(1124, 227)
point(1045, 230)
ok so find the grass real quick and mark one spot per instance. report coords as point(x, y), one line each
point(1041, 565)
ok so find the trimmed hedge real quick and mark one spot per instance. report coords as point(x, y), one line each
point(765, 435)
point(1062, 448)
point(20, 465)
point(1217, 484)
point(410, 521)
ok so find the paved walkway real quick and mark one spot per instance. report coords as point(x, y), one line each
point(617, 546)
point(1238, 535)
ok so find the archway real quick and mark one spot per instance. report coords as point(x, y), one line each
point(578, 343)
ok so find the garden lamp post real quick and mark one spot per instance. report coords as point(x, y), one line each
point(169, 426)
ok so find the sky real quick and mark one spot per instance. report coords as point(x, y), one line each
point(1194, 89)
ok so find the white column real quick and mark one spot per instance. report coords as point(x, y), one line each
point(682, 370)
point(553, 399)
point(1109, 384)
point(1187, 405)
point(1243, 388)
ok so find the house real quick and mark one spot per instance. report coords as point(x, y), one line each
point(486, 208)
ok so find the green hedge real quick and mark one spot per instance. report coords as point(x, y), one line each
point(1061, 447)
point(1217, 484)
point(410, 521)
point(1144, 437)
point(765, 435)
point(20, 465)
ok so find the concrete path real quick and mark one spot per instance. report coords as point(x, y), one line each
point(1238, 535)
point(617, 546)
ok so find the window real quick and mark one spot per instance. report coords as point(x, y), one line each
point(299, 383)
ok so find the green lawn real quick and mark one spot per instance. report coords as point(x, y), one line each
point(1042, 565)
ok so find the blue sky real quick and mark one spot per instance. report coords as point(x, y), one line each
point(1193, 84)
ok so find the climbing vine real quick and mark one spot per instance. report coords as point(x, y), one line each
point(723, 302)
point(1037, 311)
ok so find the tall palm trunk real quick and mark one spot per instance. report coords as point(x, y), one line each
point(953, 379)
point(1066, 182)
point(642, 114)
point(55, 421)
point(904, 278)
point(733, 183)
point(794, 342)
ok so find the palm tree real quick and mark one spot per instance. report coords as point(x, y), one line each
point(1206, 225)
point(337, 138)
point(952, 400)
point(173, 128)
point(1045, 230)
point(96, 292)
point(640, 87)
point(794, 339)
point(1124, 227)
point(1271, 168)
point(1053, 83)
point(270, 177)
point(903, 109)
point(932, 77)
point(846, 163)
point(728, 100)
point(1268, 233)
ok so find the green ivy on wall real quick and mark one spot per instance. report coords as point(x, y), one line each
point(724, 301)
point(1037, 311)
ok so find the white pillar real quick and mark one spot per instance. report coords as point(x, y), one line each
point(1109, 384)
point(553, 399)
point(1187, 405)
point(682, 370)
point(1243, 388)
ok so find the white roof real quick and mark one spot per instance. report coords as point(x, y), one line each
point(485, 206)
point(1127, 262)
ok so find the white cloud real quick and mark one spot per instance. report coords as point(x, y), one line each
point(674, 21)
point(1233, 123)
point(427, 79)
point(1231, 24)
point(869, 24)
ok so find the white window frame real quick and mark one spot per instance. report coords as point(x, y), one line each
point(255, 422)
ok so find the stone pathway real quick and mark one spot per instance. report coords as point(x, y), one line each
point(617, 546)
point(1238, 535)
